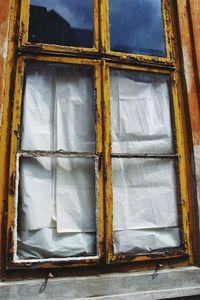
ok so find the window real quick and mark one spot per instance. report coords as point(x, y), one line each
point(98, 156)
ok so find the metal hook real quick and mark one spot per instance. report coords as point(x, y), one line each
point(158, 266)
point(44, 284)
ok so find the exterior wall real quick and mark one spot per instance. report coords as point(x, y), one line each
point(5, 9)
point(195, 11)
point(4, 28)
point(189, 23)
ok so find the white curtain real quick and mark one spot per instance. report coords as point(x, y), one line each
point(58, 108)
point(140, 113)
point(57, 207)
point(145, 215)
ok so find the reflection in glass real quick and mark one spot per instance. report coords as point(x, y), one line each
point(140, 113)
point(58, 108)
point(136, 26)
point(68, 23)
point(56, 211)
point(145, 216)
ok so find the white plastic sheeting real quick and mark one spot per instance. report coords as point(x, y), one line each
point(58, 108)
point(57, 207)
point(140, 113)
point(145, 240)
point(145, 216)
point(57, 192)
point(47, 243)
point(144, 204)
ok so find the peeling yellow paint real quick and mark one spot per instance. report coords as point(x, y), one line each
point(102, 64)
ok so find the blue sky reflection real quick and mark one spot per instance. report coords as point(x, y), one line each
point(136, 26)
point(79, 14)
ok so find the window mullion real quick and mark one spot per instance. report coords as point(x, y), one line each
point(40, 153)
point(99, 161)
point(107, 164)
point(182, 167)
point(13, 161)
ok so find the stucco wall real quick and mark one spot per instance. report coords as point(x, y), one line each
point(189, 22)
point(4, 28)
point(195, 12)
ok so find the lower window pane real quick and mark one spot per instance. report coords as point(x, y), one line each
point(56, 209)
point(145, 214)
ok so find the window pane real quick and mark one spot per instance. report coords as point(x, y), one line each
point(136, 26)
point(67, 23)
point(56, 211)
point(140, 113)
point(145, 216)
point(58, 108)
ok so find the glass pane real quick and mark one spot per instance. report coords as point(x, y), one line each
point(67, 23)
point(140, 113)
point(56, 211)
point(136, 26)
point(145, 216)
point(58, 108)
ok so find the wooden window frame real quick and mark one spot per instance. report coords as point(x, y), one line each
point(12, 207)
point(102, 59)
point(105, 38)
point(181, 168)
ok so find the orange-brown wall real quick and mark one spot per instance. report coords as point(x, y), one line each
point(189, 22)
point(4, 28)
point(195, 16)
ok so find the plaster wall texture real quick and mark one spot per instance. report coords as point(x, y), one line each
point(167, 284)
point(197, 167)
point(190, 66)
point(4, 29)
point(194, 10)
point(189, 23)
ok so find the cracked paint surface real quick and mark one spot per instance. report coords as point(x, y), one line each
point(190, 31)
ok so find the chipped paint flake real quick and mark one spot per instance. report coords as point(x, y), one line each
point(187, 68)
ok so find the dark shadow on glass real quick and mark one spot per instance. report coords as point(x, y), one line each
point(136, 26)
point(67, 23)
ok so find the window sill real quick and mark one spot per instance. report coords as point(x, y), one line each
point(167, 284)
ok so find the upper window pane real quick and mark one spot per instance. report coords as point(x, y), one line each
point(136, 26)
point(140, 112)
point(61, 22)
point(58, 108)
